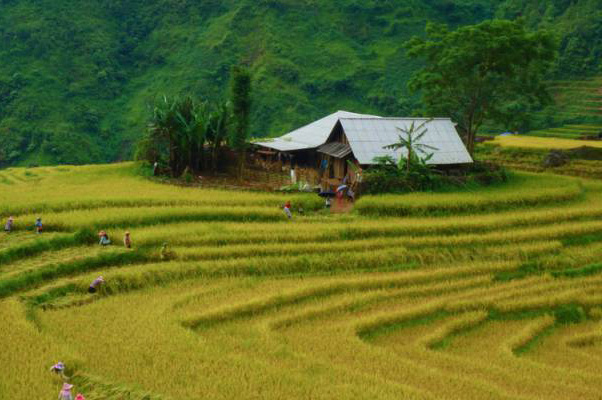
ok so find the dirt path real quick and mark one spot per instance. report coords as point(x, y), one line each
point(341, 206)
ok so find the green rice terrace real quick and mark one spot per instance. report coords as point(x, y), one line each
point(491, 293)
point(570, 131)
point(574, 100)
point(531, 154)
point(579, 97)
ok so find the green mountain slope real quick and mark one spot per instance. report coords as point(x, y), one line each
point(76, 79)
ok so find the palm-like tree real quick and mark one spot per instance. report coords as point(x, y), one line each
point(186, 133)
point(163, 128)
point(179, 125)
point(409, 139)
point(191, 118)
point(216, 133)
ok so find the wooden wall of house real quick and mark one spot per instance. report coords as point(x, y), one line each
point(338, 135)
point(308, 163)
point(335, 172)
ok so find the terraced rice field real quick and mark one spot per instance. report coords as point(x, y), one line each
point(531, 142)
point(580, 161)
point(570, 131)
point(578, 98)
point(489, 294)
point(574, 101)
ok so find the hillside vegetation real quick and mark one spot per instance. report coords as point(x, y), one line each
point(76, 81)
point(476, 294)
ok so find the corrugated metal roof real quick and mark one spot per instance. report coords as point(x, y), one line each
point(368, 137)
point(335, 149)
point(310, 136)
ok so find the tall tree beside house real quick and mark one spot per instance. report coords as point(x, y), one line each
point(472, 73)
point(241, 110)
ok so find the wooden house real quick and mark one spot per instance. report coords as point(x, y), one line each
point(343, 142)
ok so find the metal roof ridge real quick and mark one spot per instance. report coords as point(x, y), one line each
point(397, 118)
point(333, 115)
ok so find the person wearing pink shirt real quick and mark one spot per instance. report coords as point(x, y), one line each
point(95, 284)
point(65, 393)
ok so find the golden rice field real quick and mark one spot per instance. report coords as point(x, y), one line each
point(484, 294)
point(534, 142)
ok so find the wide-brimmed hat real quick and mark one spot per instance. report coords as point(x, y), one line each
point(67, 386)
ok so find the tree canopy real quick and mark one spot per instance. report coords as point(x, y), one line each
point(481, 72)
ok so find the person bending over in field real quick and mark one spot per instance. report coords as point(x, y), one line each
point(104, 239)
point(96, 284)
point(58, 368)
point(165, 253)
point(287, 210)
point(65, 393)
point(80, 397)
point(39, 225)
point(127, 241)
point(9, 225)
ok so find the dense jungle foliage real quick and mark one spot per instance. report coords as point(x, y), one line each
point(78, 80)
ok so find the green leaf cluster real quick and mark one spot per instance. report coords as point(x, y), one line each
point(185, 135)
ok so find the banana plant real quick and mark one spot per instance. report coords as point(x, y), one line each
point(409, 139)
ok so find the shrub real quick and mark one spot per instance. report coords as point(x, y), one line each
point(569, 314)
point(485, 174)
point(387, 178)
point(187, 176)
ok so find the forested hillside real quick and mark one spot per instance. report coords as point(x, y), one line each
point(76, 79)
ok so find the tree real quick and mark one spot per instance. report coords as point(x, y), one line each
point(191, 119)
point(472, 73)
point(409, 139)
point(241, 110)
point(162, 132)
point(176, 134)
point(216, 132)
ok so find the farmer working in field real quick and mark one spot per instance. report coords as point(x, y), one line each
point(39, 225)
point(96, 284)
point(9, 225)
point(127, 241)
point(65, 393)
point(287, 210)
point(104, 238)
point(165, 253)
point(58, 368)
